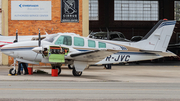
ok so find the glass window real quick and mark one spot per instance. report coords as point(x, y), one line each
point(93, 10)
point(64, 40)
point(177, 10)
point(102, 45)
point(143, 10)
point(91, 43)
point(78, 41)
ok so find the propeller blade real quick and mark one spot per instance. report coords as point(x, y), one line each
point(16, 40)
point(39, 39)
point(17, 35)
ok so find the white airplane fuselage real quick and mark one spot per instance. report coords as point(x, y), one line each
point(23, 50)
point(72, 49)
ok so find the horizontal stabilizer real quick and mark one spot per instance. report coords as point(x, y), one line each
point(164, 54)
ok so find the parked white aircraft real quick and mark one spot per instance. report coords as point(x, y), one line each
point(5, 40)
point(72, 49)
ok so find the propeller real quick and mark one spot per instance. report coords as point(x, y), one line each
point(38, 49)
point(17, 35)
point(39, 43)
point(16, 40)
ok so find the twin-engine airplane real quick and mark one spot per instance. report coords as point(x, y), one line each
point(72, 49)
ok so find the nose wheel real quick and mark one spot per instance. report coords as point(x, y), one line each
point(76, 73)
point(12, 71)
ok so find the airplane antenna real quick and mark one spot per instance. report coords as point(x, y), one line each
point(39, 38)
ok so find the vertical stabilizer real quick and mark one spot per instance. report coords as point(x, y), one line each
point(158, 37)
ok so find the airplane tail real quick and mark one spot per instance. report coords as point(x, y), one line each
point(157, 39)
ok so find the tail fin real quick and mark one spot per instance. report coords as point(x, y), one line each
point(157, 39)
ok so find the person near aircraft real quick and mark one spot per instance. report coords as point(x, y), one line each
point(22, 66)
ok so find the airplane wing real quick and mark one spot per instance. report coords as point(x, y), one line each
point(164, 54)
point(95, 55)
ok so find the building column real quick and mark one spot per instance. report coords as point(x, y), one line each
point(85, 18)
point(4, 27)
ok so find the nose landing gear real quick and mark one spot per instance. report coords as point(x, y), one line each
point(12, 71)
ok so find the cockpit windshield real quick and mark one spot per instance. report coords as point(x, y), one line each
point(51, 38)
point(64, 40)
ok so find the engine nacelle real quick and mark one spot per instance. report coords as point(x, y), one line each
point(55, 54)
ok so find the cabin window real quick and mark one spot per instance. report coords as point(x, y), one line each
point(102, 45)
point(91, 43)
point(78, 41)
point(64, 40)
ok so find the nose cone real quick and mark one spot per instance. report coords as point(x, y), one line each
point(37, 49)
point(6, 50)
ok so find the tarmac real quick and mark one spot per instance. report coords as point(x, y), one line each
point(166, 72)
point(130, 82)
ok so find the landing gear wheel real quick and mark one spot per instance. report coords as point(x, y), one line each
point(57, 67)
point(70, 66)
point(76, 73)
point(12, 71)
point(108, 66)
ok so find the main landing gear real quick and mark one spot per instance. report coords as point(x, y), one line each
point(70, 66)
point(76, 73)
point(108, 66)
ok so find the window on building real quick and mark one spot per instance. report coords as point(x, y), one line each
point(177, 10)
point(64, 40)
point(78, 41)
point(102, 45)
point(93, 10)
point(91, 43)
point(142, 10)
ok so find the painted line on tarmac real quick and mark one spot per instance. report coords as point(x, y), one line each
point(88, 89)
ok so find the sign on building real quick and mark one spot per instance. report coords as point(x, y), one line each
point(30, 10)
point(69, 10)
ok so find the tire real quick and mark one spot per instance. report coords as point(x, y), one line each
point(108, 66)
point(76, 73)
point(12, 71)
point(57, 67)
point(70, 66)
